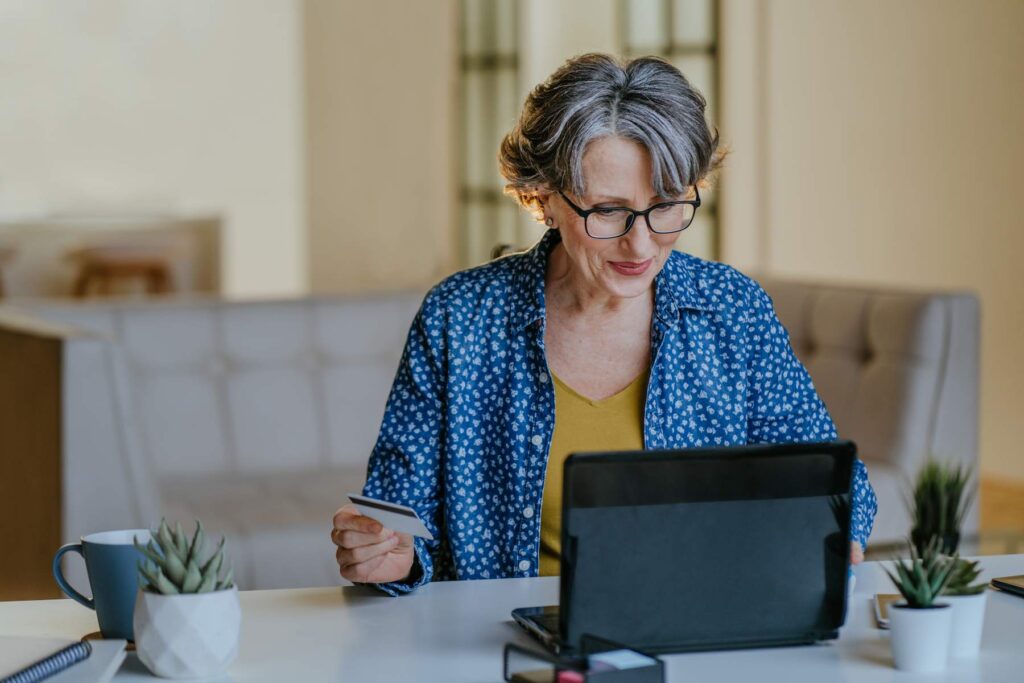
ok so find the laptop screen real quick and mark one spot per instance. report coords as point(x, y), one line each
point(721, 547)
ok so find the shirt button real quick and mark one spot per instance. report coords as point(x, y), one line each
point(528, 512)
point(543, 378)
point(524, 565)
point(536, 440)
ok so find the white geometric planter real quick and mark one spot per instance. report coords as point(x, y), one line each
point(920, 637)
point(968, 619)
point(187, 636)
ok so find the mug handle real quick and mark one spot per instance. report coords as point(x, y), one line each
point(62, 582)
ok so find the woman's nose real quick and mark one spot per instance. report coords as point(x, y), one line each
point(639, 235)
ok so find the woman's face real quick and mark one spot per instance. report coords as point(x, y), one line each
point(617, 172)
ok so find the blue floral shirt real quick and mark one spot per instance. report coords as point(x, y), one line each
point(469, 419)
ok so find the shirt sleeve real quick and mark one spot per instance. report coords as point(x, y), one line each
point(404, 466)
point(783, 406)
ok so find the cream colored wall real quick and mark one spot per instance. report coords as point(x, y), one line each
point(741, 89)
point(381, 140)
point(552, 32)
point(891, 153)
point(188, 106)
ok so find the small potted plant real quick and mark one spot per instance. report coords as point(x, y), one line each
point(921, 627)
point(187, 617)
point(967, 599)
point(940, 500)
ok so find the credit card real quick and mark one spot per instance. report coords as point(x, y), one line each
point(391, 515)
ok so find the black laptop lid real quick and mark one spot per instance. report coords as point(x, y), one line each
point(699, 549)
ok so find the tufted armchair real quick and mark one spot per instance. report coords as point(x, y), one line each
point(256, 417)
point(899, 373)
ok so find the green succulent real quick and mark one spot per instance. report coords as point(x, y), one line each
point(963, 575)
point(940, 500)
point(924, 577)
point(174, 565)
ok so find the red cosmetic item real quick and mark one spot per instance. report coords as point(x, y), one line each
point(570, 677)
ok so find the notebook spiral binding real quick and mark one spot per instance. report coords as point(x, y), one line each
point(53, 664)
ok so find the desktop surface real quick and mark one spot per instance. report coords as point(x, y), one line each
point(454, 631)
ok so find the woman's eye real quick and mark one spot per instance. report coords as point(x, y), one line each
point(607, 212)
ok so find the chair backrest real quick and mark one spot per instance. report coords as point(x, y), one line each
point(252, 387)
point(898, 370)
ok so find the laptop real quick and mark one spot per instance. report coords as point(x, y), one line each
point(702, 549)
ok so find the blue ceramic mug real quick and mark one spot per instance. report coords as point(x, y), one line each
point(111, 562)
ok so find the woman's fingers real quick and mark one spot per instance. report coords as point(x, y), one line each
point(856, 554)
point(363, 572)
point(348, 518)
point(367, 552)
point(351, 556)
point(353, 530)
point(356, 539)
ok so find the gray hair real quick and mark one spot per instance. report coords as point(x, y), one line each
point(593, 96)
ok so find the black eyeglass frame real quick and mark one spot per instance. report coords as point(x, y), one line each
point(631, 221)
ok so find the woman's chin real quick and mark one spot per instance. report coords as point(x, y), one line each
point(628, 286)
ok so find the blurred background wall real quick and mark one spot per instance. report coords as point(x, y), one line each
point(380, 142)
point(874, 142)
point(151, 106)
point(881, 142)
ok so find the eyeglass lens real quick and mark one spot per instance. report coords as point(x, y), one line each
point(614, 222)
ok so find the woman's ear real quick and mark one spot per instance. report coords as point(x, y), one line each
point(544, 202)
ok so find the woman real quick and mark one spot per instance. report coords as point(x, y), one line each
point(601, 337)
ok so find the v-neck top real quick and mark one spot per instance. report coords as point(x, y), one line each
point(615, 423)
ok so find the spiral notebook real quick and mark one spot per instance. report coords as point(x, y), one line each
point(25, 659)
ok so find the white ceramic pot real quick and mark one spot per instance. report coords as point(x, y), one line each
point(920, 637)
point(968, 618)
point(187, 636)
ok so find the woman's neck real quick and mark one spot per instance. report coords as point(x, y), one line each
point(568, 292)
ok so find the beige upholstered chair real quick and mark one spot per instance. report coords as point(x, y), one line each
point(257, 417)
point(899, 373)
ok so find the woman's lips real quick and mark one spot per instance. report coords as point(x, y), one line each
point(631, 267)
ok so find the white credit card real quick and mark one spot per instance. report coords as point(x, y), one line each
point(393, 516)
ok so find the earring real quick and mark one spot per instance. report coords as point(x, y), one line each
point(549, 221)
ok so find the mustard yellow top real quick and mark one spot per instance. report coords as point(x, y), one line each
point(612, 424)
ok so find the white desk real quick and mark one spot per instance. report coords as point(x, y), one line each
point(455, 632)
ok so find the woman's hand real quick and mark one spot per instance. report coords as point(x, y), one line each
point(856, 553)
point(367, 552)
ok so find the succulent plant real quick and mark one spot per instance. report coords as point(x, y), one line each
point(940, 501)
point(923, 578)
point(960, 579)
point(174, 565)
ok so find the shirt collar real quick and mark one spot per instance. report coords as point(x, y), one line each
point(675, 287)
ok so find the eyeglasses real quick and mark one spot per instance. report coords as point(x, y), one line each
point(609, 222)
